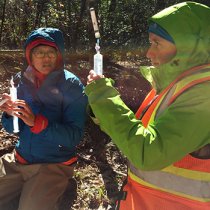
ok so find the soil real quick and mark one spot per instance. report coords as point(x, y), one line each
point(101, 168)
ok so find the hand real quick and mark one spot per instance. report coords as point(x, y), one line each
point(7, 104)
point(24, 112)
point(93, 76)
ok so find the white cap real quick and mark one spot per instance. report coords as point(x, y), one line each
point(97, 35)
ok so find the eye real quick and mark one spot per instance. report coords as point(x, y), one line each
point(38, 54)
point(52, 54)
point(156, 43)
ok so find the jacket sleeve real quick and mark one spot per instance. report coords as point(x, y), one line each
point(7, 122)
point(179, 130)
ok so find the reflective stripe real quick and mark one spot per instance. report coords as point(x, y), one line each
point(163, 100)
point(195, 175)
point(150, 96)
point(190, 182)
point(190, 81)
point(194, 164)
point(192, 189)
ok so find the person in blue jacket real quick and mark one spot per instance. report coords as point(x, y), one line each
point(51, 111)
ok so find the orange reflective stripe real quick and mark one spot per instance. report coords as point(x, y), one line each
point(145, 103)
point(140, 197)
point(182, 183)
point(71, 161)
point(148, 114)
point(188, 172)
point(191, 163)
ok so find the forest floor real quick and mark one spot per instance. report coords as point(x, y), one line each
point(101, 168)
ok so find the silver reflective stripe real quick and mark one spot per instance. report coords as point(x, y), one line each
point(170, 93)
point(164, 103)
point(171, 182)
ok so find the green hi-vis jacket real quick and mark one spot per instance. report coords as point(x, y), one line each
point(184, 126)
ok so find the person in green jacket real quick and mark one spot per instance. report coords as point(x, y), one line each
point(167, 142)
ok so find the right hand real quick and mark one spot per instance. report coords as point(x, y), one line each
point(93, 76)
point(23, 111)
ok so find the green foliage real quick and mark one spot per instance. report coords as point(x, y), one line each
point(122, 23)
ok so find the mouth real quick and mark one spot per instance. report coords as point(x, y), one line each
point(47, 66)
point(155, 64)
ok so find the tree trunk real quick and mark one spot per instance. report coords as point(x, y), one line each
point(82, 11)
point(3, 18)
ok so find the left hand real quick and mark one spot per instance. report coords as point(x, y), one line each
point(93, 76)
point(8, 105)
point(23, 111)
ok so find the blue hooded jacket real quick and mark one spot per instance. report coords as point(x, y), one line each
point(61, 100)
point(50, 34)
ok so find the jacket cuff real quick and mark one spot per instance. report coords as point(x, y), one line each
point(41, 122)
point(100, 82)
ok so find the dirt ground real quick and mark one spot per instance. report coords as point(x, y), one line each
point(101, 168)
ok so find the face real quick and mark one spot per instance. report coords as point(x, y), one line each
point(44, 58)
point(160, 51)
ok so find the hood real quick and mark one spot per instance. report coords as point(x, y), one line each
point(188, 25)
point(49, 36)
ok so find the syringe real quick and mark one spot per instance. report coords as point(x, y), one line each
point(98, 57)
point(13, 94)
point(98, 61)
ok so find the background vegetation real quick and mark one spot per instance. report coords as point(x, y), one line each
point(123, 23)
point(101, 168)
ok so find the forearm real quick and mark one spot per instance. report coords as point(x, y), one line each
point(68, 130)
point(156, 146)
point(119, 122)
point(64, 135)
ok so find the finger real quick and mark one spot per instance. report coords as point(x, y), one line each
point(27, 119)
point(19, 115)
point(19, 102)
point(23, 117)
point(22, 104)
point(3, 101)
point(92, 72)
point(5, 98)
point(5, 95)
point(8, 111)
point(89, 80)
point(21, 111)
point(89, 77)
point(6, 107)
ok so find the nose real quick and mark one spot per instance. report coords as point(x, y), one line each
point(46, 56)
point(150, 53)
